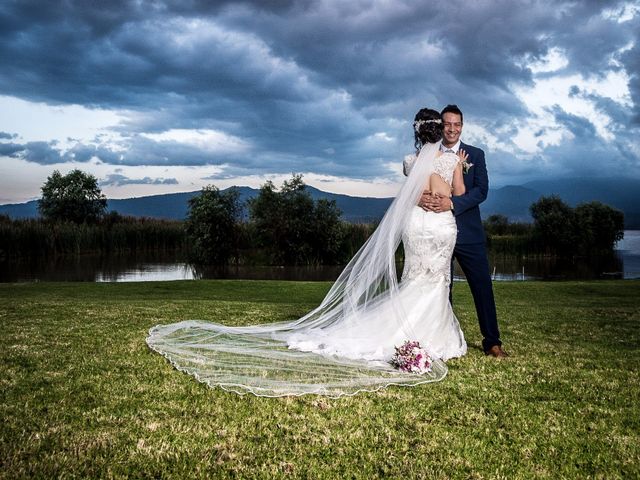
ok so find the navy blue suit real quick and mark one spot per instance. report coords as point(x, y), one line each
point(470, 250)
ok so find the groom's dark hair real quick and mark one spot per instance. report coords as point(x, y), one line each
point(452, 109)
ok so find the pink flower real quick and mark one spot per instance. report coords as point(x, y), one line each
point(411, 357)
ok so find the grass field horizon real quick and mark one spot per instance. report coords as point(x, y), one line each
point(82, 396)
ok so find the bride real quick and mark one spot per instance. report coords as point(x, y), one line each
point(345, 344)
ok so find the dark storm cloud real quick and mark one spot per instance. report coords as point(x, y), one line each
point(11, 149)
point(118, 180)
point(631, 59)
point(47, 153)
point(306, 84)
point(135, 151)
point(579, 126)
point(44, 153)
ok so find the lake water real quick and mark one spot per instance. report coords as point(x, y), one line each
point(625, 263)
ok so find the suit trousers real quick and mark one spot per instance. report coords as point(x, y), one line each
point(472, 258)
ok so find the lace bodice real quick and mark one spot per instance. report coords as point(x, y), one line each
point(444, 165)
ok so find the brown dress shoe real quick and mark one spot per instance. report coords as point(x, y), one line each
point(497, 352)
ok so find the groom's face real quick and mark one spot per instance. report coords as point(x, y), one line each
point(452, 123)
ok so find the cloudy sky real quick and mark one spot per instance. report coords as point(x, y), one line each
point(166, 96)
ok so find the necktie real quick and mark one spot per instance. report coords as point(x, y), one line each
point(448, 150)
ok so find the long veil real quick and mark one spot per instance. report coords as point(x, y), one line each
point(272, 360)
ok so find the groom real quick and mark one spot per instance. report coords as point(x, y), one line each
point(470, 250)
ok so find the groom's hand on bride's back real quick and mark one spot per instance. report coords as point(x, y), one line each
point(435, 202)
point(425, 200)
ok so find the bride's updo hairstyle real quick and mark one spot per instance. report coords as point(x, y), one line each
point(427, 127)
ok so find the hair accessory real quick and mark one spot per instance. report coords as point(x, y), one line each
point(418, 123)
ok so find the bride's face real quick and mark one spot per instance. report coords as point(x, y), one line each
point(452, 129)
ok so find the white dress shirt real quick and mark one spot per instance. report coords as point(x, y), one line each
point(455, 148)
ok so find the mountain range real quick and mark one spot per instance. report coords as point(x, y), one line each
point(512, 201)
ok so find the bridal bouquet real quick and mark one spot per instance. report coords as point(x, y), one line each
point(411, 357)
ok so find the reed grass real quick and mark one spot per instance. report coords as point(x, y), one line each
point(33, 238)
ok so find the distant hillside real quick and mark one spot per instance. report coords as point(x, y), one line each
point(355, 209)
point(170, 205)
point(620, 193)
point(175, 205)
point(512, 201)
point(20, 210)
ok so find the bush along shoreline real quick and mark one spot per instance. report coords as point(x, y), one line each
point(286, 226)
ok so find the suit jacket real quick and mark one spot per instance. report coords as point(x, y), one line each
point(466, 207)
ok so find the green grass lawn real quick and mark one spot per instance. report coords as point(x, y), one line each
point(81, 395)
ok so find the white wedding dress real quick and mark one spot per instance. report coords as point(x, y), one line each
point(423, 294)
point(343, 346)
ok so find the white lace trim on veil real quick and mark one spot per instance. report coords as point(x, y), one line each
point(258, 359)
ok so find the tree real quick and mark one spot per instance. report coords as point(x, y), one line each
point(589, 228)
point(212, 226)
point(496, 224)
point(292, 228)
point(599, 227)
point(553, 224)
point(327, 232)
point(73, 197)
